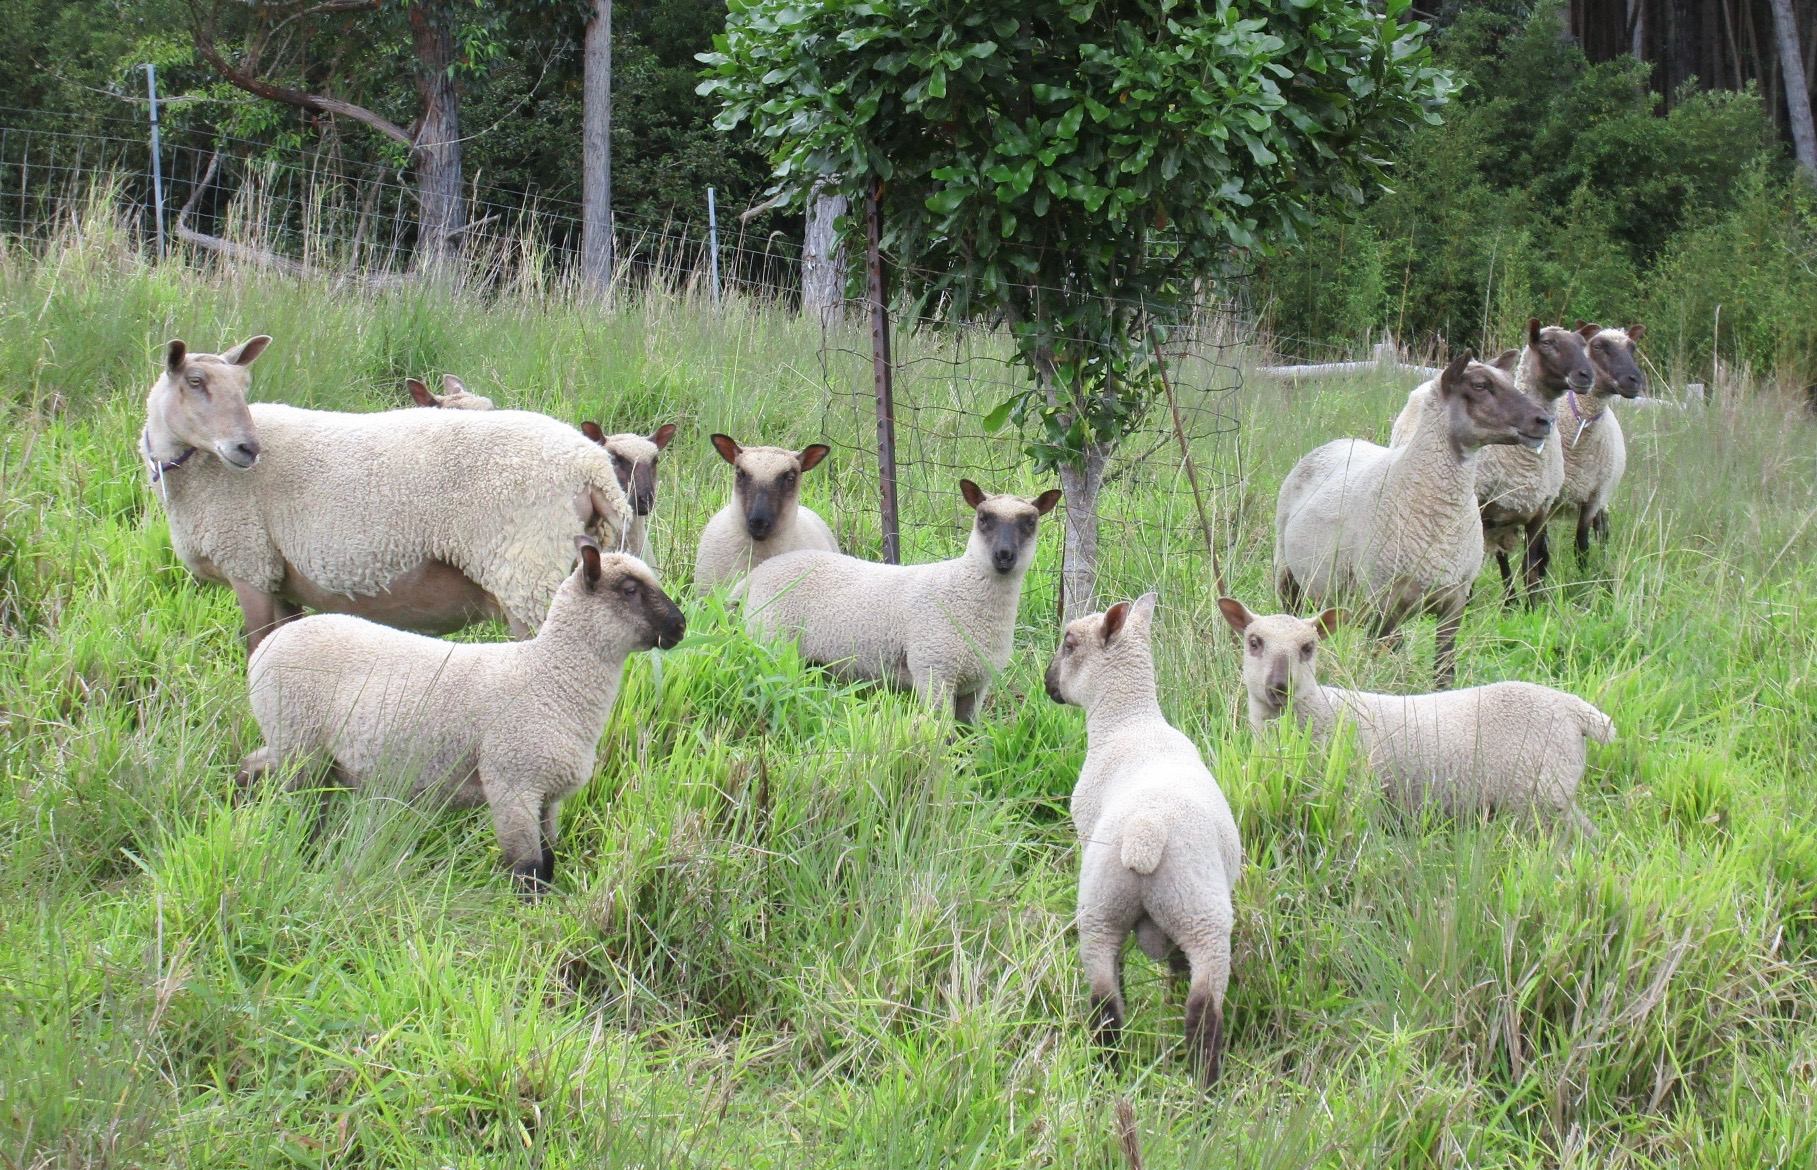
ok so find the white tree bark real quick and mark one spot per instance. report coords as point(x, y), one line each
point(823, 262)
point(1797, 89)
point(596, 151)
point(443, 209)
point(1079, 484)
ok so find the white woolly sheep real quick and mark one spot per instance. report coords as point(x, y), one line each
point(1513, 747)
point(765, 517)
point(1595, 451)
point(422, 519)
point(1518, 488)
point(513, 725)
point(1159, 851)
point(454, 395)
point(634, 458)
point(940, 629)
point(1397, 528)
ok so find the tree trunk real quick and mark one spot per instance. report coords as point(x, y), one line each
point(441, 210)
point(1797, 89)
point(823, 263)
point(596, 152)
point(1079, 483)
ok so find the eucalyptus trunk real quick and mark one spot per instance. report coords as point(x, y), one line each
point(437, 154)
point(823, 262)
point(1081, 479)
point(1797, 89)
point(596, 151)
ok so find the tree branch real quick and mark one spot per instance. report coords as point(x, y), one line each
point(319, 103)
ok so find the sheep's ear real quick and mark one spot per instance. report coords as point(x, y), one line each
point(1587, 331)
point(1533, 328)
point(1236, 613)
point(419, 393)
point(1328, 622)
point(453, 385)
point(1044, 503)
point(1507, 360)
point(1144, 609)
point(588, 548)
point(728, 450)
point(1448, 380)
point(1636, 331)
point(662, 434)
point(974, 495)
point(174, 355)
point(247, 352)
point(812, 454)
point(1114, 617)
point(592, 431)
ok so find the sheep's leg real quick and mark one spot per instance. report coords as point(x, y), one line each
point(551, 832)
point(965, 706)
point(1444, 658)
point(1583, 532)
point(254, 768)
point(1599, 525)
point(1501, 562)
point(517, 814)
point(1205, 1008)
point(263, 612)
point(1538, 559)
point(1290, 591)
point(1102, 954)
point(1196, 913)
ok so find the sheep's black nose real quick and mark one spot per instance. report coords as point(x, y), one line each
point(1543, 421)
point(758, 526)
point(248, 451)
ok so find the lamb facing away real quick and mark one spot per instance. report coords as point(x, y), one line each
point(765, 518)
point(454, 395)
point(1518, 488)
point(941, 629)
point(1397, 528)
point(513, 725)
point(1512, 747)
point(634, 458)
point(1159, 851)
point(1595, 452)
point(423, 519)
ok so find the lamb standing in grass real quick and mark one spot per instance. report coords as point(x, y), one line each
point(1595, 452)
point(428, 520)
point(454, 395)
point(1511, 747)
point(1159, 849)
point(634, 458)
point(1518, 488)
point(513, 725)
point(942, 629)
point(1398, 527)
point(765, 518)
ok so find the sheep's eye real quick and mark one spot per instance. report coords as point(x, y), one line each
point(1306, 650)
point(788, 479)
point(629, 589)
point(1070, 644)
point(196, 381)
point(1028, 524)
point(1255, 645)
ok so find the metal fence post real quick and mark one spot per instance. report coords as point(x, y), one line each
point(713, 241)
point(882, 374)
point(157, 163)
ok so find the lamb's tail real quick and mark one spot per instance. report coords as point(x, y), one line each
point(1596, 725)
point(1144, 839)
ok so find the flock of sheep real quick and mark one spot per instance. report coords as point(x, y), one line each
point(403, 524)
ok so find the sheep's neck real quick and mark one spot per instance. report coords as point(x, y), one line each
point(161, 443)
point(1529, 377)
point(1433, 453)
point(573, 666)
point(1315, 708)
point(1129, 697)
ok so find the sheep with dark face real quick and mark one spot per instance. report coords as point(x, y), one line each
point(765, 517)
point(943, 630)
point(512, 725)
point(1159, 850)
point(634, 458)
point(1595, 451)
point(1396, 529)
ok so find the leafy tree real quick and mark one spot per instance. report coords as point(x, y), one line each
point(1075, 166)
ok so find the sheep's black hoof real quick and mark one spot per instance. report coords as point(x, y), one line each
point(533, 878)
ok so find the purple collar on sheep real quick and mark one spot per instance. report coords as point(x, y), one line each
point(1584, 419)
point(160, 466)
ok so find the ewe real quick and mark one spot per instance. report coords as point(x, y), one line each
point(1159, 849)
point(423, 519)
point(454, 395)
point(634, 458)
point(513, 725)
point(1506, 747)
point(1398, 527)
point(942, 629)
point(1516, 487)
point(765, 518)
point(1596, 454)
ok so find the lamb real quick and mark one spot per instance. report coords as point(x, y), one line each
point(1516, 488)
point(765, 518)
point(513, 725)
point(428, 520)
point(1511, 747)
point(1159, 851)
point(1595, 453)
point(941, 629)
point(1398, 527)
point(634, 458)
point(454, 395)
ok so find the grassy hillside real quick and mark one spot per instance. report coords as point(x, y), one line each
point(806, 925)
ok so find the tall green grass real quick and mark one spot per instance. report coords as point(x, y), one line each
point(800, 924)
